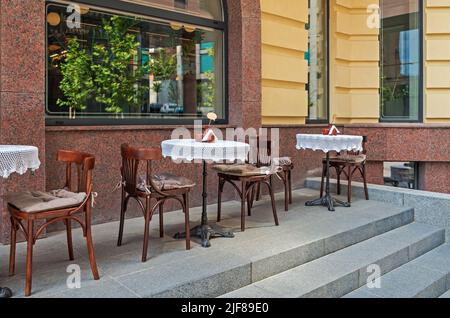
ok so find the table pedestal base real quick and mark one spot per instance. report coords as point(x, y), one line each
point(207, 232)
point(327, 201)
point(5, 292)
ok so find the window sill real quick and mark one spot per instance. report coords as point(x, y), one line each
point(125, 127)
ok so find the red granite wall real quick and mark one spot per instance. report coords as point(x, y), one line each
point(22, 89)
point(426, 144)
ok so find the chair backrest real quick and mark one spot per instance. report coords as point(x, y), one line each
point(131, 158)
point(84, 163)
point(364, 147)
point(263, 150)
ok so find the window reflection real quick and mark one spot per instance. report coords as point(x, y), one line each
point(317, 60)
point(209, 9)
point(173, 70)
point(400, 54)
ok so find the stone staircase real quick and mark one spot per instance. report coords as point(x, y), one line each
point(313, 253)
point(413, 258)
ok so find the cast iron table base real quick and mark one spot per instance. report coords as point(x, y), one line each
point(328, 200)
point(204, 231)
point(5, 292)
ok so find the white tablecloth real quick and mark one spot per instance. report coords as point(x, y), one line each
point(221, 150)
point(18, 159)
point(329, 143)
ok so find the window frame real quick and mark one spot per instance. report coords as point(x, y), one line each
point(327, 77)
point(420, 110)
point(155, 13)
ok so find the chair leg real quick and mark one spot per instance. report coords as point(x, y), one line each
point(364, 175)
point(322, 180)
point(123, 209)
point(243, 199)
point(286, 190)
point(161, 220)
point(290, 185)
point(12, 253)
point(147, 218)
point(29, 266)
point(90, 243)
point(249, 202)
point(258, 192)
point(68, 224)
point(349, 194)
point(274, 208)
point(186, 220)
point(219, 199)
point(338, 176)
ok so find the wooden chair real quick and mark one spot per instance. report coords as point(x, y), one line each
point(285, 175)
point(55, 206)
point(285, 164)
point(160, 188)
point(348, 163)
point(249, 177)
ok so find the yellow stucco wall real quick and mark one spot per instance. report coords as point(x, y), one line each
point(354, 57)
point(284, 68)
point(354, 62)
point(437, 61)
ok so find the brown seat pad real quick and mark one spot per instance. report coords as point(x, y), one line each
point(243, 170)
point(38, 201)
point(347, 158)
point(166, 181)
point(282, 161)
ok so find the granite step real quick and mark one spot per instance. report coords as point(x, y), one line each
point(263, 250)
point(446, 295)
point(426, 277)
point(230, 267)
point(344, 271)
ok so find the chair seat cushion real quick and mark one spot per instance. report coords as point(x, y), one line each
point(282, 161)
point(347, 158)
point(38, 201)
point(243, 170)
point(166, 182)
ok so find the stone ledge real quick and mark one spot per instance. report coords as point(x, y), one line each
point(430, 207)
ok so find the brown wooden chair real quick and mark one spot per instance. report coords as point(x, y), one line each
point(348, 162)
point(285, 175)
point(249, 177)
point(54, 206)
point(150, 187)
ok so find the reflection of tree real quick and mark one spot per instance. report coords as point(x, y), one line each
point(76, 84)
point(173, 92)
point(115, 80)
point(163, 66)
point(207, 90)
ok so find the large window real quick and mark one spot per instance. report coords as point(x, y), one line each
point(401, 56)
point(317, 61)
point(107, 66)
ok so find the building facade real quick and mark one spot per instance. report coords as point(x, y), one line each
point(377, 68)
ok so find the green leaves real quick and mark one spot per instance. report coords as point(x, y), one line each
point(108, 74)
point(77, 84)
point(116, 77)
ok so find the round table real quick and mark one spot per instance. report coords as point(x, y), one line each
point(327, 144)
point(219, 151)
point(16, 159)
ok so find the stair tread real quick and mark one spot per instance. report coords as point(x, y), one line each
point(446, 295)
point(426, 276)
point(403, 244)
